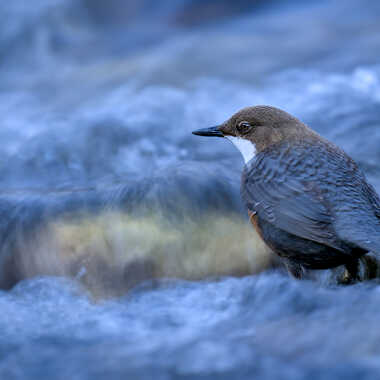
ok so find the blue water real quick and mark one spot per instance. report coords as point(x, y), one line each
point(268, 326)
point(99, 94)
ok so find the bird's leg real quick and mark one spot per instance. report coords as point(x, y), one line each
point(294, 269)
point(351, 273)
point(370, 266)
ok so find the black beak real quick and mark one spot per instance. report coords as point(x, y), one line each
point(213, 131)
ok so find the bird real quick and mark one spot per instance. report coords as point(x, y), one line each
point(308, 200)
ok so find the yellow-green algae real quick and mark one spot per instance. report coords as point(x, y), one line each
point(113, 251)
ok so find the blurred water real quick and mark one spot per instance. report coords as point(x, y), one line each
point(267, 326)
point(100, 98)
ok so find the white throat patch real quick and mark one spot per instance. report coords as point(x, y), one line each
point(246, 147)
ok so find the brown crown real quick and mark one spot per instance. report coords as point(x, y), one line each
point(265, 126)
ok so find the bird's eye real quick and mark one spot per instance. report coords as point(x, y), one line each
point(243, 127)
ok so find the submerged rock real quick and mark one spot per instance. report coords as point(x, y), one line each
point(176, 225)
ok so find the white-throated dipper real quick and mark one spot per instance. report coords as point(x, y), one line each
point(307, 199)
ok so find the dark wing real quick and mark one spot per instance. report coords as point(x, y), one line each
point(359, 222)
point(292, 205)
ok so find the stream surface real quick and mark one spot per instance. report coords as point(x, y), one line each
point(96, 95)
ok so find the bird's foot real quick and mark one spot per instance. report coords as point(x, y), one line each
point(346, 278)
point(364, 268)
point(351, 273)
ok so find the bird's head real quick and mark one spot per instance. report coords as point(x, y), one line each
point(253, 129)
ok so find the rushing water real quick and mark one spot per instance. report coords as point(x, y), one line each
point(98, 100)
